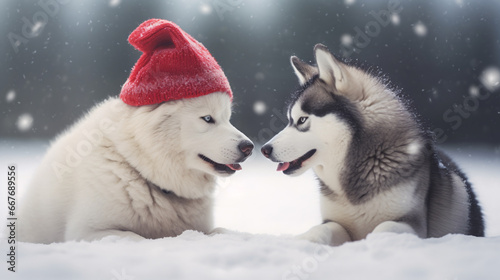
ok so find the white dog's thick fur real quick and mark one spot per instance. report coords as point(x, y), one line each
point(138, 172)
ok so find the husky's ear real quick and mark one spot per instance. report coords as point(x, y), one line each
point(303, 70)
point(331, 71)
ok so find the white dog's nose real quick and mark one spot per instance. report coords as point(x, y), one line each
point(246, 147)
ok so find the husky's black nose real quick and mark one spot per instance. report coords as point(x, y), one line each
point(267, 150)
point(246, 147)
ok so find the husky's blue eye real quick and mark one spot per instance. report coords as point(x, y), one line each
point(208, 119)
point(302, 120)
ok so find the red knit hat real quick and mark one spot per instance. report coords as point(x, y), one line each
point(173, 66)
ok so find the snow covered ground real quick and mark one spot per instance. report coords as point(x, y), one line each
point(268, 208)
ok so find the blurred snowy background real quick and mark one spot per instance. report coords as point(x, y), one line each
point(59, 58)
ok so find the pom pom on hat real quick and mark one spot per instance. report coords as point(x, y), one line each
point(173, 66)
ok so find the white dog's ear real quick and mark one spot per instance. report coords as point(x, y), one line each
point(303, 70)
point(170, 107)
point(331, 71)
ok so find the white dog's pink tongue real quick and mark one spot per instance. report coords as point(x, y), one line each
point(234, 166)
point(283, 166)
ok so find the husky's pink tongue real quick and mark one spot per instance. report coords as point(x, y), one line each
point(283, 166)
point(234, 166)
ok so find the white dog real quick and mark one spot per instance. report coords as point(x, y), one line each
point(144, 165)
point(144, 171)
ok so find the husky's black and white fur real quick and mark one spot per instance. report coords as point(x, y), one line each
point(377, 169)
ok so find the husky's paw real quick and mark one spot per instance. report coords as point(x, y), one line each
point(395, 227)
point(317, 235)
point(328, 234)
point(219, 230)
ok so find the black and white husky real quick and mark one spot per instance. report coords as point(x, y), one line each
point(377, 169)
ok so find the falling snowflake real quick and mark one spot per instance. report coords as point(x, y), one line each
point(205, 9)
point(346, 39)
point(420, 29)
point(24, 122)
point(259, 107)
point(259, 76)
point(474, 91)
point(114, 3)
point(11, 95)
point(37, 28)
point(435, 92)
point(395, 19)
point(349, 2)
point(490, 78)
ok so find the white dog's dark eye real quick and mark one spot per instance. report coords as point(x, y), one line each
point(302, 120)
point(208, 119)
